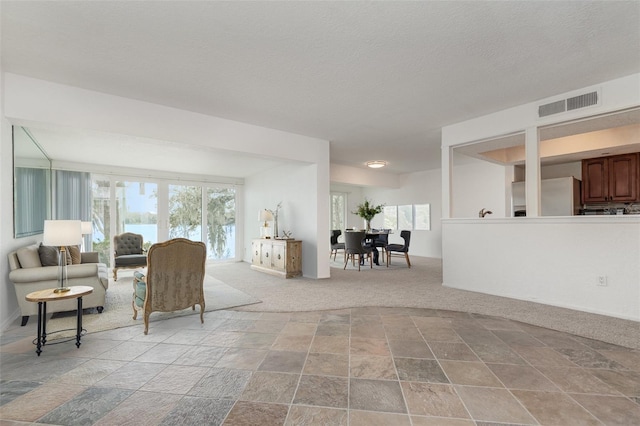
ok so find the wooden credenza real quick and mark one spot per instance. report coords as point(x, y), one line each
point(277, 257)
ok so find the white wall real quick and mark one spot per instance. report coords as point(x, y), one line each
point(615, 95)
point(562, 170)
point(549, 260)
point(391, 189)
point(355, 196)
point(30, 101)
point(294, 186)
point(478, 184)
point(8, 304)
point(415, 188)
point(363, 177)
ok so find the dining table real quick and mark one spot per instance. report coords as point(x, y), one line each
point(370, 237)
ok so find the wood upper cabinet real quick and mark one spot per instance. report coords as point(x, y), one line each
point(615, 178)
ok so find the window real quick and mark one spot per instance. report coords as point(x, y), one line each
point(405, 217)
point(390, 217)
point(221, 223)
point(185, 212)
point(101, 216)
point(423, 217)
point(338, 210)
point(137, 210)
point(160, 211)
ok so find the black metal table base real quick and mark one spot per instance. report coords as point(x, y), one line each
point(41, 340)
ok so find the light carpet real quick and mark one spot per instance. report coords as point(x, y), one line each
point(417, 287)
point(119, 313)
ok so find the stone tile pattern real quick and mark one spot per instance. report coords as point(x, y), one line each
point(388, 366)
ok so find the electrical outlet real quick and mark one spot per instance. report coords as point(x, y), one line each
point(602, 280)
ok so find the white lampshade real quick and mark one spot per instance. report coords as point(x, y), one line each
point(62, 233)
point(86, 228)
point(265, 215)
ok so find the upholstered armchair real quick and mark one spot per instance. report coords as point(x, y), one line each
point(128, 252)
point(174, 279)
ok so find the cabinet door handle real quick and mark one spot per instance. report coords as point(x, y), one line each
point(279, 257)
point(266, 254)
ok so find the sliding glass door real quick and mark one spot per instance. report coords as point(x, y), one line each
point(101, 217)
point(185, 212)
point(221, 223)
point(160, 211)
point(137, 210)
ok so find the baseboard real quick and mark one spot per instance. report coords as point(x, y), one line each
point(10, 319)
point(578, 308)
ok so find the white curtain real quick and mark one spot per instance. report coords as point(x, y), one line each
point(31, 200)
point(72, 195)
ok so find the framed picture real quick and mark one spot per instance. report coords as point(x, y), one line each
point(390, 217)
point(405, 217)
point(422, 217)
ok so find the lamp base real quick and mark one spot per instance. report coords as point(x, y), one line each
point(61, 290)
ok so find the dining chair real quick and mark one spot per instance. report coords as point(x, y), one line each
point(400, 249)
point(354, 247)
point(381, 240)
point(335, 245)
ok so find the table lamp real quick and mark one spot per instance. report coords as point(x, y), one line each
point(62, 233)
point(87, 229)
point(265, 216)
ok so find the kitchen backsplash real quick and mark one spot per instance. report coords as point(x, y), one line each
point(610, 209)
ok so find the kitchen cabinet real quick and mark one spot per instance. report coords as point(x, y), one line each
point(615, 178)
point(282, 258)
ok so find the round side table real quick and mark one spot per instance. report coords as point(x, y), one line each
point(49, 295)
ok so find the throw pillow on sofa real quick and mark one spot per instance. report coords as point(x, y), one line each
point(49, 255)
point(74, 252)
point(29, 257)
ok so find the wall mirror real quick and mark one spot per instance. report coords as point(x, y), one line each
point(31, 185)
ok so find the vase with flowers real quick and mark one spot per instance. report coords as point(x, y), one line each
point(367, 211)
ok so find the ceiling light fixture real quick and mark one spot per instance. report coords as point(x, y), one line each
point(376, 164)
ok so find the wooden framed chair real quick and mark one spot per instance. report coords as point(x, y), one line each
point(400, 249)
point(354, 247)
point(174, 279)
point(128, 252)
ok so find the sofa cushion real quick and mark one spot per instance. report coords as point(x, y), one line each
point(131, 260)
point(29, 257)
point(49, 255)
point(89, 257)
point(74, 252)
point(140, 289)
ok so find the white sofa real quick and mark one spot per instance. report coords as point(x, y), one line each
point(27, 275)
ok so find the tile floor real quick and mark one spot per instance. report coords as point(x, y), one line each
point(364, 366)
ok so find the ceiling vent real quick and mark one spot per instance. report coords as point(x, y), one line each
point(569, 104)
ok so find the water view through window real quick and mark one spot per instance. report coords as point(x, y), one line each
point(144, 207)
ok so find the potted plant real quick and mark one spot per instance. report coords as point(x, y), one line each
point(367, 211)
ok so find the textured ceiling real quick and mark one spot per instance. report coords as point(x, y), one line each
point(377, 79)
